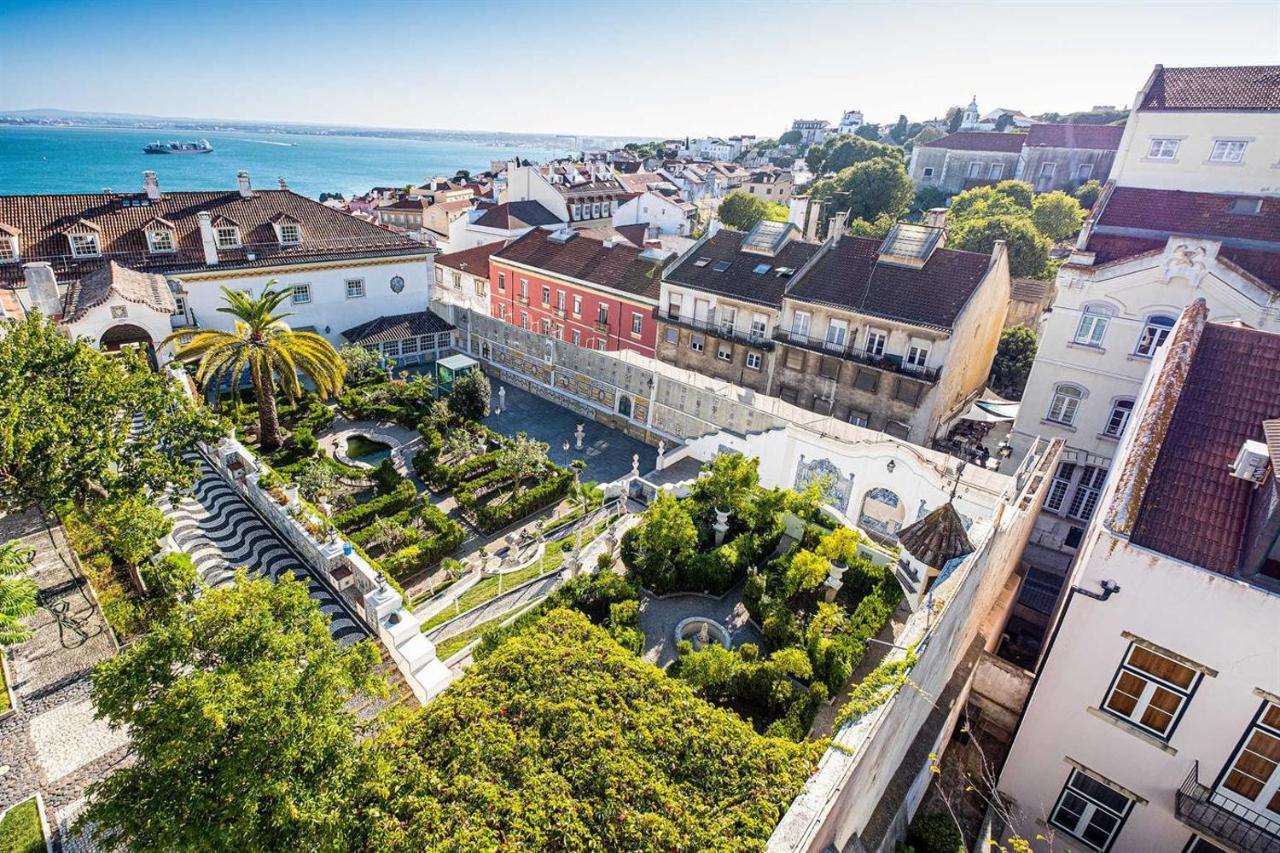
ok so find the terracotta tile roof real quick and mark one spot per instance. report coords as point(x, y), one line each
point(474, 260)
point(456, 204)
point(1228, 88)
point(1102, 137)
point(417, 205)
point(517, 214)
point(739, 280)
point(583, 258)
point(979, 140)
point(850, 276)
point(92, 290)
point(937, 538)
point(120, 221)
point(396, 327)
point(1192, 508)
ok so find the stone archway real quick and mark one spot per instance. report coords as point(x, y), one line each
point(123, 335)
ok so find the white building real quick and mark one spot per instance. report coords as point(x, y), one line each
point(76, 256)
point(849, 122)
point(1154, 722)
point(462, 279)
point(664, 215)
point(813, 131)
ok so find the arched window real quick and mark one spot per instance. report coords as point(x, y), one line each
point(882, 512)
point(1066, 402)
point(1154, 333)
point(624, 405)
point(1119, 418)
point(1094, 320)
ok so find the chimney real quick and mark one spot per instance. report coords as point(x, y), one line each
point(713, 227)
point(242, 178)
point(935, 217)
point(42, 288)
point(611, 241)
point(206, 235)
point(151, 185)
point(283, 186)
point(835, 228)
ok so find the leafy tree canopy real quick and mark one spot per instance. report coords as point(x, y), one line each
point(1012, 364)
point(742, 210)
point(1087, 194)
point(900, 130)
point(867, 131)
point(868, 190)
point(470, 395)
point(1028, 248)
point(65, 421)
point(728, 482)
point(17, 593)
point(955, 117)
point(1057, 215)
point(667, 541)
point(791, 137)
point(235, 708)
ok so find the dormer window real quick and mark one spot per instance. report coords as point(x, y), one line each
point(8, 249)
point(84, 245)
point(160, 241)
point(290, 233)
point(228, 236)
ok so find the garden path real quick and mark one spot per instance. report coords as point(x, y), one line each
point(659, 617)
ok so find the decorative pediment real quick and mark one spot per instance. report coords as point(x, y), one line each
point(82, 226)
point(1189, 259)
point(158, 223)
point(224, 221)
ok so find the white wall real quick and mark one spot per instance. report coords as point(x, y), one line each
point(1192, 170)
point(652, 209)
point(526, 183)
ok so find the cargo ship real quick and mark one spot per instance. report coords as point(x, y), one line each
point(200, 146)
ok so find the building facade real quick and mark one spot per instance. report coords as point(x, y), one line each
point(1064, 156)
point(966, 159)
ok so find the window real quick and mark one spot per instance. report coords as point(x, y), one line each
point(759, 325)
point(560, 301)
point(674, 301)
point(439, 275)
point(875, 343)
point(290, 232)
point(702, 262)
point(84, 245)
point(577, 338)
point(724, 352)
point(456, 277)
point(1058, 488)
point(8, 249)
point(1154, 333)
point(228, 237)
point(160, 240)
point(524, 319)
point(800, 324)
point(1118, 419)
point(1047, 170)
point(859, 418)
point(1066, 402)
point(602, 314)
point(1090, 811)
point(391, 348)
point(1093, 326)
point(1246, 206)
point(637, 322)
point(546, 295)
point(837, 334)
point(866, 380)
point(1162, 149)
point(1254, 776)
point(1198, 845)
point(754, 361)
point(928, 171)
point(1228, 150)
point(975, 169)
point(179, 304)
point(409, 346)
point(482, 286)
point(1150, 690)
point(697, 343)
point(1085, 500)
point(996, 171)
point(1084, 171)
point(577, 306)
point(546, 327)
point(897, 429)
point(502, 282)
point(917, 354)
point(728, 319)
point(355, 288)
point(301, 294)
point(524, 289)
point(602, 344)
point(908, 392)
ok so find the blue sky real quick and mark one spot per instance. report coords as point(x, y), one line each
point(606, 67)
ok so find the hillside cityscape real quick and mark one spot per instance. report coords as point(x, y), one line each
point(883, 483)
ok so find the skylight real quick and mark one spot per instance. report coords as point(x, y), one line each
point(702, 262)
point(720, 266)
point(761, 269)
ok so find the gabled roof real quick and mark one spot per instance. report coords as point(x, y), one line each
point(730, 271)
point(1226, 88)
point(110, 279)
point(979, 140)
point(120, 221)
point(620, 268)
point(474, 260)
point(851, 276)
point(937, 538)
point(1096, 137)
point(517, 214)
point(395, 328)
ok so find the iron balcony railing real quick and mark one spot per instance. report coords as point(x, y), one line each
point(721, 328)
point(886, 362)
point(1222, 819)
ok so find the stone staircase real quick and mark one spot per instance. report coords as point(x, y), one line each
point(366, 706)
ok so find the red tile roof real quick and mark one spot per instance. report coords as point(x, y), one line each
point(474, 260)
point(120, 220)
point(620, 268)
point(738, 279)
point(979, 140)
point(1227, 88)
point(1192, 508)
point(1101, 137)
point(517, 214)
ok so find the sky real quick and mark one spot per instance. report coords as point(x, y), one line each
point(608, 67)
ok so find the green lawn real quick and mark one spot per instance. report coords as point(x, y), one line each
point(4, 692)
point(20, 830)
point(448, 648)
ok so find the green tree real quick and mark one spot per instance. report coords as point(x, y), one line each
point(1028, 248)
point(235, 705)
point(847, 151)
point(742, 210)
point(868, 190)
point(17, 592)
point(954, 118)
point(867, 131)
point(928, 198)
point(899, 132)
point(469, 397)
point(791, 137)
point(728, 482)
point(1012, 364)
point(806, 571)
point(981, 202)
point(1002, 123)
point(1087, 194)
point(360, 362)
point(1057, 215)
point(1020, 193)
point(269, 350)
point(316, 480)
point(928, 134)
point(878, 229)
point(665, 544)
point(131, 526)
point(65, 421)
point(173, 578)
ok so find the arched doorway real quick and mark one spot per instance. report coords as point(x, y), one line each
point(882, 513)
point(125, 336)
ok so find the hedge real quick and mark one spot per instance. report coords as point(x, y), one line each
point(490, 518)
point(426, 552)
point(365, 513)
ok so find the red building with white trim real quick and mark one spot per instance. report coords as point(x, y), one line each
point(601, 294)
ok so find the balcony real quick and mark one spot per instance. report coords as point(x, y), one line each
point(889, 363)
point(721, 328)
point(1222, 819)
point(523, 300)
point(601, 325)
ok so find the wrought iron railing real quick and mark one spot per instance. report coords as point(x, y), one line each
point(849, 352)
point(1223, 819)
point(721, 328)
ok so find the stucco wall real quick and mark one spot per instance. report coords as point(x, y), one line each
point(1191, 169)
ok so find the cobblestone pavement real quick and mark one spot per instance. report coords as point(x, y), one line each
point(53, 743)
point(222, 532)
point(660, 616)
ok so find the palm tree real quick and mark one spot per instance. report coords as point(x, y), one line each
point(17, 593)
point(272, 352)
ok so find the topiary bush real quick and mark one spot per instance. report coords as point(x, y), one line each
point(935, 832)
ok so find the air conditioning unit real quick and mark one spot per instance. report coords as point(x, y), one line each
point(1251, 462)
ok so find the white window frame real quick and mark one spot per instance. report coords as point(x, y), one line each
point(1085, 500)
point(697, 343)
point(1270, 785)
point(917, 354)
point(290, 227)
point(1118, 419)
point(577, 305)
point(1091, 331)
point(410, 346)
point(1154, 333)
point(9, 253)
point(1228, 150)
point(179, 305)
point(1059, 486)
point(837, 332)
point(759, 326)
point(301, 294)
point(724, 351)
point(1084, 172)
point(1089, 808)
point(875, 343)
point(975, 170)
point(354, 288)
point(1163, 148)
point(161, 241)
point(800, 321)
point(524, 288)
point(637, 323)
point(1150, 687)
point(928, 172)
point(995, 172)
point(227, 237)
point(85, 245)
point(1065, 404)
point(577, 338)
point(546, 295)
point(754, 361)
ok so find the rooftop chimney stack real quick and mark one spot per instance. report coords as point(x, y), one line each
point(242, 178)
point(151, 185)
point(835, 228)
point(42, 288)
point(206, 236)
point(283, 186)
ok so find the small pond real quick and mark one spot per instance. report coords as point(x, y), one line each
point(367, 450)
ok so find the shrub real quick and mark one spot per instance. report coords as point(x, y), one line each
point(489, 517)
point(446, 536)
point(399, 499)
point(305, 441)
point(469, 397)
point(386, 478)
point(131, 527)
point(935, 832)
point(171, 577)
